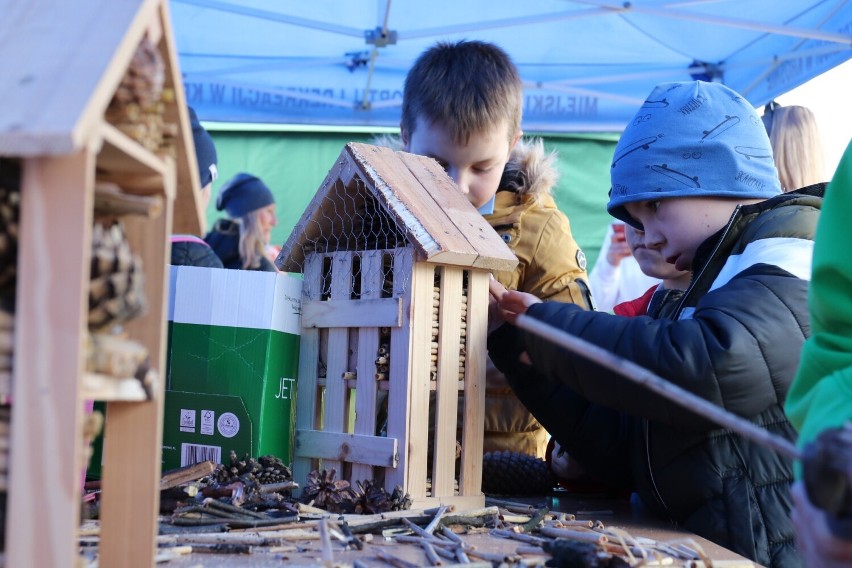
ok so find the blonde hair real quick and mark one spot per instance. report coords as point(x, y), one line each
point(252, 244)
point(797, 146)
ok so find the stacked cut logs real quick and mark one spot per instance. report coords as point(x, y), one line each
point(140, 100)
point(116, 291)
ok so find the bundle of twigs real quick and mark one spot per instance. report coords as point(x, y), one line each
point(139, 101)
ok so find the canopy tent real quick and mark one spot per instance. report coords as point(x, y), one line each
point(586, 64)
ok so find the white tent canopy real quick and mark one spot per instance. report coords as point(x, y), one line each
point(586, 64)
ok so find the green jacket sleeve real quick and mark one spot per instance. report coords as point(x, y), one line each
point(821, 394)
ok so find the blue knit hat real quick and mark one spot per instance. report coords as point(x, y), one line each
point(692, 139)
point(205, 151)
point(243, 194)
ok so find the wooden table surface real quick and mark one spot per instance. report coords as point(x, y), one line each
point(612, 512)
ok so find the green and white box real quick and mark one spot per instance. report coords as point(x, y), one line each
point(232, 365)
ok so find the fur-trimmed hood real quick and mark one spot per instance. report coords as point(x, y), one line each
point(530, 170)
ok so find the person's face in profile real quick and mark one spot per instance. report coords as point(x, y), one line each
point(267, 219)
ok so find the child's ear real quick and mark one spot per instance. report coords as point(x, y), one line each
point(403, 134)
point(515, 140)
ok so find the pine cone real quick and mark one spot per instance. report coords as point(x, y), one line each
point(514, 473)
point(327, 493)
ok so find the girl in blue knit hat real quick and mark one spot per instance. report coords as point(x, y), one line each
point(241, 241)
point(694, 170)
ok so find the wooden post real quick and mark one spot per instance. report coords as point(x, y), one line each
point(51, 314)
point(133, 430)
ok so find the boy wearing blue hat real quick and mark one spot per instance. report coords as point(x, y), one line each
point(693, 170)
point(241, 241)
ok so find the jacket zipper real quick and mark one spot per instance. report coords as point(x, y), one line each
point(646, 427)
point(645, 423)
point(696, 279)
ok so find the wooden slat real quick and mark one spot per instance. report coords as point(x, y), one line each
point(470, 480)
point(366, 312)
point(335, 408)
point(421, 217)
point(422, 285)
point(133, 432)
point(306, 385)
point(400, 363)
point(189, 215)
point(124, 155)
point(336, 446)
point(368, 344)
point(52, 310)
point(105, 34)
point(447, 394)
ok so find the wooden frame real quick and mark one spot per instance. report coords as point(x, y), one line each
point(65, 146)
point(436, 316)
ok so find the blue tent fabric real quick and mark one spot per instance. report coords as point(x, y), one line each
point(586, 64)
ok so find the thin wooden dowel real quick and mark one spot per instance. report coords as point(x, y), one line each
point(659, 385)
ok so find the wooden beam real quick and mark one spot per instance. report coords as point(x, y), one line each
point(52, 310)
point(380, 312)
point(342, 447)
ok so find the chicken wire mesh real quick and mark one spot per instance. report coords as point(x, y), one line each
point(353, 220)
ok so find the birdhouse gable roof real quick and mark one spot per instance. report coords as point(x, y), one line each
point(373, 197)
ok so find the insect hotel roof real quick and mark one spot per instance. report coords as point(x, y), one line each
point(423, 203)
point(61, 64)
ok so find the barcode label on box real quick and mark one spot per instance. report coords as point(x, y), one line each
point(196, 453)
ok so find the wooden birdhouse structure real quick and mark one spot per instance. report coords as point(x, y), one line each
point(95, 131)
point(396, 264)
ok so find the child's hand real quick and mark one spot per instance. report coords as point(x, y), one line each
point(818, 547)
point(514, 304)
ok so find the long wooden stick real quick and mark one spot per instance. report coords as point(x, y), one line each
point(659, 385)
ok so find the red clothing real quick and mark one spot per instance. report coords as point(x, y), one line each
point(637, 307)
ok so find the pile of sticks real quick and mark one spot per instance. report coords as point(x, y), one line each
point(501, 534)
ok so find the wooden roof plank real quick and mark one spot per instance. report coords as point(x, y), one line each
point(416, 193)
point(53, 93)
point(492, 252)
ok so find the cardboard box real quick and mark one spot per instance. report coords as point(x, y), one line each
point(232, 365)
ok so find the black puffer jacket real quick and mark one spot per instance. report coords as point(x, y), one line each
point(188, 250)
point(734, 340)
point(224, 239)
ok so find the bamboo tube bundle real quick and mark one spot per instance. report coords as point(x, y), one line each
point(117, 288)
point(10, 199)
point(5, 419)
point(139, 102)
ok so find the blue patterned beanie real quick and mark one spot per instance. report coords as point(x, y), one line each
point(692, 139)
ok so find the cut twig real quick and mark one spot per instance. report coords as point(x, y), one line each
point(186, 474)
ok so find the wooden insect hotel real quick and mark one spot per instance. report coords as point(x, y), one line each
point(97, 165)
point(396, 264)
